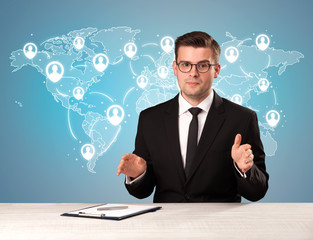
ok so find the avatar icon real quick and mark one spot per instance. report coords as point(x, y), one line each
point(262, 42)
point(237, 99)
point(100, 62)
point(263, 84)
point(79, 43)
point(88, 151)
point(54, 71)
point(30, 50)
point(167, 44)
point(78, 93)
point(163, 72)
point(130, 49)
point(142, 81)
point(272, 118)
point(115, 114)
point(231, 54)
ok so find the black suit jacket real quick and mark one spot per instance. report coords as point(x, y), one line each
point(213, 177)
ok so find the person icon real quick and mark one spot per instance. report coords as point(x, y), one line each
point(163, 72)
point(57, 71)
point(115, 114)
point(88, 151)
point(54, 76)
point(263, 84)
point(78, 93)
point(231, 54)
point(237, 99)
point(272, 118)
point(167, 44)
point(142, 81)
point(79, 43)
point(130, 49)
point(262, 42)
point(30, 50)
point(100, 62)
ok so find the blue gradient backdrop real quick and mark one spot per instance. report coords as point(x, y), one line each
point(35, 139)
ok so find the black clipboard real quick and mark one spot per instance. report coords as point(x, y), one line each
point(130, 211)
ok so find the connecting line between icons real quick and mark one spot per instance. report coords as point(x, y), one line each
point(69, 123)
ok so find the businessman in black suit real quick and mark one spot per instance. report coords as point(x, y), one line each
point(196, 147)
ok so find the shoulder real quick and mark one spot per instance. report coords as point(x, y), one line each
point(232, 109)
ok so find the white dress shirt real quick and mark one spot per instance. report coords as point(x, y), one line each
point(185, 117)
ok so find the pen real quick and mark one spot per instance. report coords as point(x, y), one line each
point(112, 208)
point(91, 214)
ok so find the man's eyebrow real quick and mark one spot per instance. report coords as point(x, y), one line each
point(205, 60)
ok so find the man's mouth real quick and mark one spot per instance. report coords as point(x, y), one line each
point(192, 83)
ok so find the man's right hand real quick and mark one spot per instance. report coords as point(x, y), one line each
point(131, 165)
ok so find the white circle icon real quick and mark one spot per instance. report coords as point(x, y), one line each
point(263, 84)
point(167, 44)
point(115, 114)
point(100, 62)
point(237, 98)
point(54, 71)
point(142, 81)
point(262, 42)
point(231, 54)
point(162, 72)
point(79, 43)
point(130, 49)
point(88, 151)
point(272, 118)
point(30, 50)
point(78, 93)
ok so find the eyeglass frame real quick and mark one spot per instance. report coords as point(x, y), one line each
point(196, 64)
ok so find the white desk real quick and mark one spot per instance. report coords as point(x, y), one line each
point(174, 221)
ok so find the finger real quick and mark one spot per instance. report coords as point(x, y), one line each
point(237, 141)
point(248, 152)
point(249, 159)
point(120, 167)
point(127, 156)
point(245, 146)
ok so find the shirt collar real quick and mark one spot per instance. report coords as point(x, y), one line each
point(205, 105)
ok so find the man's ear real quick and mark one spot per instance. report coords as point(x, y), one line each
point(175, 68)
point(217, 69)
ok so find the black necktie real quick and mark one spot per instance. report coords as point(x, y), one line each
point(192, 138)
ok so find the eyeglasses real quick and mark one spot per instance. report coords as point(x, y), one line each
point(202, 67)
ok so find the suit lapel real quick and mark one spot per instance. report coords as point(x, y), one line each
point(213, 124)
point(172, 132)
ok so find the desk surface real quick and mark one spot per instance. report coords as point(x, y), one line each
point(174, 221)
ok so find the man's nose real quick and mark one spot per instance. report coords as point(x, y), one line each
point(194, 71)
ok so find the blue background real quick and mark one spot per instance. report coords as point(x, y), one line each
point(35, 139)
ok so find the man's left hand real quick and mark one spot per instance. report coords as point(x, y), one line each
point(242, 154)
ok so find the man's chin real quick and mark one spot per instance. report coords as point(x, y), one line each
point(195, 95)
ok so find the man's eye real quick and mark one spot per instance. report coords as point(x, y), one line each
point(185, 64)
point(202, 65)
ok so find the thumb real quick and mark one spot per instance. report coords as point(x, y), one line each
point(237, 141)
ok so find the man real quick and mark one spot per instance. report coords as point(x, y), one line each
point(196, 147)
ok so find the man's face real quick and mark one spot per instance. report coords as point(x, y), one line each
point(195, 86)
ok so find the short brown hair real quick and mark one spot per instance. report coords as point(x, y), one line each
point(198, 39)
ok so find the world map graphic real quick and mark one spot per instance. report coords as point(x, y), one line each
point(104, 77)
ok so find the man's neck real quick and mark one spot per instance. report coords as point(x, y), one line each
point(196, 101)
